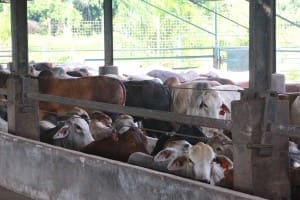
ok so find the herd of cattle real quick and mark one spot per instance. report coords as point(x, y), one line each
point(200, 153)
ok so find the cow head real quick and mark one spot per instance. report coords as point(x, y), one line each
point(220, 143)
point(207, 103)
point(75, 134)
point(202, 164)
point(100, 125)
point(123, 123)
point(80, 112)
point(197, 162)
point(172, 149)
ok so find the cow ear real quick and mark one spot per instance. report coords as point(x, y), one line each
point(216, 173)
point(224, 109)
point(224, 162)
point(178, 163)
point(164, 155)
point(61, 133)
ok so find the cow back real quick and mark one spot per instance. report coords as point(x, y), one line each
point(147, 94)
point(97, 88)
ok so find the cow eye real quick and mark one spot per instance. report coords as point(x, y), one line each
point(191, 161)
point(78, 128)
point(219, 149)
point(203, 105)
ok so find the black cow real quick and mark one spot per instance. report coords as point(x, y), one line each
point(151, 95)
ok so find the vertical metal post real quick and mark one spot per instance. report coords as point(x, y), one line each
point(217, 48)
point(262, 55)
point(108, 33)
point(108, 67)
point(22, 112)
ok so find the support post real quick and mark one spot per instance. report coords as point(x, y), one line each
point(262, 44)
point(22, 112)
point(108, 67)
point(260, 157)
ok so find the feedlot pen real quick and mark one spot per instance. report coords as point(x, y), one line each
point(259, 126)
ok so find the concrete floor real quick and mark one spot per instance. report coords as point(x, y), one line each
point(9, 195)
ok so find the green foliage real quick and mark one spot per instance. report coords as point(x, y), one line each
point(91, 10)
point(54, 11)
point(5, 33)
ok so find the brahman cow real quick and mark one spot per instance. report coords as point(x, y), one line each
point(72, 134)
point(151, 95)
point(164, 75)
point(98, 88)
point(198, 162)
point(120, 147)
point(100, 125)
point(191, 134)
point(195, 98)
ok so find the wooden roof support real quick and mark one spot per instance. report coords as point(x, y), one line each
point(22, 112)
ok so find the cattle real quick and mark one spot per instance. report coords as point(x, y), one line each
point(172, 82)
point(98, 88)
point(294, 154)
point(199, 162)
point(34, 69)
point(221, 144)
point(295, 111)
point(100, 125)
point(3, 79)
point(292, 87)
point(72, 134)
point(142, 78)
point(195, 98)
point(199, 158)
point(164, 75)
point(80, 112)
point(151, 95)
point(122, 123)
point(55, 72)
point(294, 174)
point(227, 180)
point(133, 140)
point(172, 149)
point(228, 94)
point(3, 125)
point(189, 133)
point(81, 72)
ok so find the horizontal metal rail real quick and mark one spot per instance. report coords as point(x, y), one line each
point(286, 130)
point(135, 111)
point(129, 49)
point(153, 58)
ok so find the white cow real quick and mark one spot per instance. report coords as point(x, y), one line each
point(200, 165)
point(75, 134)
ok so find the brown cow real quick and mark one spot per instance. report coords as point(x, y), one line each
point(100, 125)
point(96, 88)
point(121, 148)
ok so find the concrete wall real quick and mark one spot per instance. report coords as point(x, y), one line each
point(45, 172)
